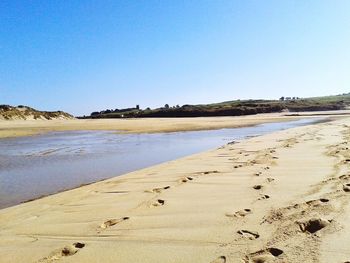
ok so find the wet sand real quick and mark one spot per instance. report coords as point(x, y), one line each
point(281, 197)
point(148, 125)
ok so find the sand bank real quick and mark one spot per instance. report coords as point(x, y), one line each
point(282, 197)
point(146, 125)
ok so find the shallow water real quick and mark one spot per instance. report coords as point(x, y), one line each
point(44, 164)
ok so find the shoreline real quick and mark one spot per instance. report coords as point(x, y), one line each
point(18, 128)
point(243, 202)
point(220, 144)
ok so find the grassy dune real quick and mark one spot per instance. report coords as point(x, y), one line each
point(26, 113)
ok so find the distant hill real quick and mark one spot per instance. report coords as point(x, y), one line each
point(232, 108)
point(26, 113)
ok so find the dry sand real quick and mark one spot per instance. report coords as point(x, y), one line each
point(282, 197)
point(146, 125)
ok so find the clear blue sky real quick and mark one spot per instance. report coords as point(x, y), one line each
point(81, 56)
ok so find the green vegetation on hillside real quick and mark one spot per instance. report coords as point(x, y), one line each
point(233, 108)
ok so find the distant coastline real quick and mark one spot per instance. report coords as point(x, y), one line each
point(230, 108)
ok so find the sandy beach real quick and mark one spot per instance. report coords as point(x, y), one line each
point(149, 125)
point(174, 132)
point(281, 197)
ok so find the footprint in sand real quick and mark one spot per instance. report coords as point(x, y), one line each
point(64, 252)
point(221, 259)
point(269, 179)
point(186, 179)
point(211, 172)
point(248, 234)
point(265, 255)
point(257, 187)
point(346, 187)
point(240, 213)
point(344, 177)
point(317, 202)
point(71, 250)
point(263, 197)
point(159, 202)
point(158, 189)
point(313, 225)
point(113, 222)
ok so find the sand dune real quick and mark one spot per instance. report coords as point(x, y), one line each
point(11, 113)
point(282, 197)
